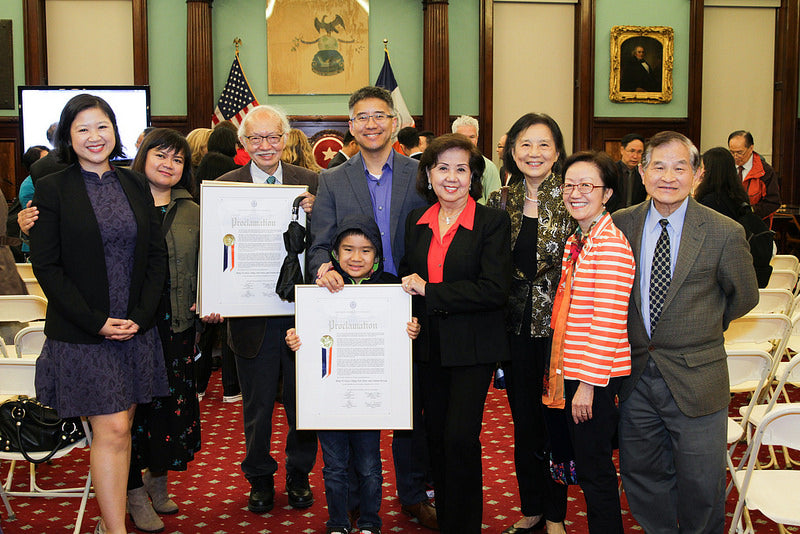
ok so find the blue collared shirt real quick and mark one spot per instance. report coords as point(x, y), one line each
point(650, 234)
point(380, 191)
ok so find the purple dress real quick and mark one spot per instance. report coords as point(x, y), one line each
point(93, 379)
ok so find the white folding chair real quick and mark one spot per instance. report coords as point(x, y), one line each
point(22, 308)
point(771, 491)
point(33, 287)
point(17, 377)
point(745, 367)
point(785, 262)
point(767, 332)
point(29, 341)
point(25, 270)
point(783, 279)
point(786, 373)
point(774, 301)
point(794, 336)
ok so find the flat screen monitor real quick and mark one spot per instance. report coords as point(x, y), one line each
point(40, 106)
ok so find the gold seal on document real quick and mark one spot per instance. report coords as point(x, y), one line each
point(326, 341)
point(228, 240)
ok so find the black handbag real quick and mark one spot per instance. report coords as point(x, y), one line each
point(27, 426)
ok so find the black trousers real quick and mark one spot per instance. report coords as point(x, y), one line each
point(538, 492)
point(208, 339)
point(453, 401)
point(259, 378)
point(593, 444)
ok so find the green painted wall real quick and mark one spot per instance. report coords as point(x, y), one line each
point(166, 48)
point(464, 28)
point(13, 12)
point(672, 13)
point(400, 21)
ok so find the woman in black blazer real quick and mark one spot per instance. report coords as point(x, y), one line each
point(459, 254)
point(98, 253)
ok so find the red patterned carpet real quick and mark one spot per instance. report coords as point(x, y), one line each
point(213, 493)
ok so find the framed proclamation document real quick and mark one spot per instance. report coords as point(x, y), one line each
point(242, 247)
point(354, 364)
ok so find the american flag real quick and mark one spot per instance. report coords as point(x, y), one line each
point(237, 99)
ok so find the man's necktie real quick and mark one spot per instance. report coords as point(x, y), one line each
point(270, 179)
point(659, 275)
point(741, 170)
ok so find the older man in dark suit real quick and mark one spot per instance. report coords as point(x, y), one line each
point(694, 275)
point(631, 190)
point(262, 356)
point(378, 182)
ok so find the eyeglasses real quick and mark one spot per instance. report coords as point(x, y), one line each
point(584, 188)
point(272, 139)
point(739, 152)
point(379, 117)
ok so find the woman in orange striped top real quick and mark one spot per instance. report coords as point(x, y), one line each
point(590, 338)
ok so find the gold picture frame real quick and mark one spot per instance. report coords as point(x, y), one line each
point(641, 64)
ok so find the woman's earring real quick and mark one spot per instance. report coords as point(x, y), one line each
point(430, 186)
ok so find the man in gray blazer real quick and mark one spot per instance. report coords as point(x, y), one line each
point(380, 183)
point(262, 356)
point(694, 275)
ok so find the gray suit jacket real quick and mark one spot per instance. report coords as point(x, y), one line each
point(245, 334)
point(343, 191)
point(714, 282)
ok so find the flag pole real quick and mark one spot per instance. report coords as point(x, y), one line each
point(237, 43)
point(386, 47)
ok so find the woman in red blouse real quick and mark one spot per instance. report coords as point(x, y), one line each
point(459, 254)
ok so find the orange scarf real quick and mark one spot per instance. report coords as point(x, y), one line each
point(553, 388)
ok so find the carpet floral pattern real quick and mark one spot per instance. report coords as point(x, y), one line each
point(212, 494)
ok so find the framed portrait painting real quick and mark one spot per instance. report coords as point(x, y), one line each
point(317, 46)
point(641, 64)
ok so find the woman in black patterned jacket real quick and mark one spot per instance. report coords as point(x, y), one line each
point(540, 226)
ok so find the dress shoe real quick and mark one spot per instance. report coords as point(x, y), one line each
point(539, 525)
point(299, 491)
point(424, 512)
point(262, 496)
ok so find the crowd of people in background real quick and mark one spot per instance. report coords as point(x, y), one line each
point(601, 289)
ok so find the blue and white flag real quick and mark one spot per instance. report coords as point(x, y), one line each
point(387, 80)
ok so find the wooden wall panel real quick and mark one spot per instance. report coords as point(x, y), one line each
point(436, 66)
point(199, 65)
point(176, 122)
point(785, 136)
point(35, 39)
point(10, 157)
point(607, 132)
point(486, 79)
point(141, 75)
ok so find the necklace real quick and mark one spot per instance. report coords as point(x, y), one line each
point(453, 217)
point(534, 200)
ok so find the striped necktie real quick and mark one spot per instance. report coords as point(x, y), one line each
point(270, 179)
